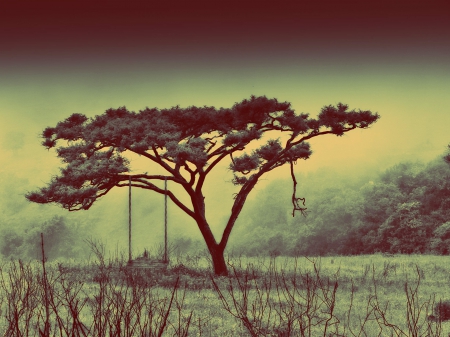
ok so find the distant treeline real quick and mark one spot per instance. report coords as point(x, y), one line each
point(62, 239)
point(405, 209)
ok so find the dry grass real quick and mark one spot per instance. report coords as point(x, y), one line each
point(371, 295)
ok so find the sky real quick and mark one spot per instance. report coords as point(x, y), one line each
point(58, 58)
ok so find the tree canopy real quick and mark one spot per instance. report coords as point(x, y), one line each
point(187, 143)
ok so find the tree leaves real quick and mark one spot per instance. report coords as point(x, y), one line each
point(299, 151)
point(193, 151)
point(245, 163)
point(241, 138)
point(67, 196)
point(290, 121)
point(80, 182)
point(270, 150)
point(339, 118)
point(70, 129)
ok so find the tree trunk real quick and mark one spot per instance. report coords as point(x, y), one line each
point(218, 260)
point(216, 251)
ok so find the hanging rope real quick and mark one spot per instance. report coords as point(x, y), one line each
point(296, 201)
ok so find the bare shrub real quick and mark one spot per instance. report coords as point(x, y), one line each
point(56, 301)
point(303, 303)
point(278, 303)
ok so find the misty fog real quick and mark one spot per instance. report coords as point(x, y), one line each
point(336, 200)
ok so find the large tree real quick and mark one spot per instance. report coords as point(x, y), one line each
point(187, 143)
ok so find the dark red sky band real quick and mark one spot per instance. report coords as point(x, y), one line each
point(39, 32)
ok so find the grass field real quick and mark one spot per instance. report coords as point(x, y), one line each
point(373, 295)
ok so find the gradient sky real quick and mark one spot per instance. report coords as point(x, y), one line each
point(391, 57)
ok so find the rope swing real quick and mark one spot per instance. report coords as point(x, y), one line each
point(166, 253)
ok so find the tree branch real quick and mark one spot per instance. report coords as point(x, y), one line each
point(315, 134)
point(150, 177)
point(191, 173)
point(237, 207)
point(157, 159)
point(150, 186)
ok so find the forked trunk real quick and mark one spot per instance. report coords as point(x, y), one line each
point(216, 250)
